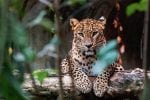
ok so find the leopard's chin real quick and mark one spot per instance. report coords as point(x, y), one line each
point(89, 53)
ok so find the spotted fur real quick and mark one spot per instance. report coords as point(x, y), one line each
point(87, 37)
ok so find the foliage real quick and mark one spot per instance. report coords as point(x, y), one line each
point(41, 74)
point(45, 22)
point(9, 48)
point(131, 9)
point(15, 53)
point(106, 56)
point(140, 6)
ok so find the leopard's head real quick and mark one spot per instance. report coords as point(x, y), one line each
point(88, 34)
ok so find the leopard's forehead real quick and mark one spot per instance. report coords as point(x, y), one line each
point(89, 21)
point(89, 25)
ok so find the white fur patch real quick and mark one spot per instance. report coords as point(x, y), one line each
point(102, 18)
point(88, 53)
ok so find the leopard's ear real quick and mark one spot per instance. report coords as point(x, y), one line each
point(73, 22)
point(102, 20)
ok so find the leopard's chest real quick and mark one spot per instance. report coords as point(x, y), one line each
point(85, 64)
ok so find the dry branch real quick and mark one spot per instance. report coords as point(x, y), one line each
point(127, 83)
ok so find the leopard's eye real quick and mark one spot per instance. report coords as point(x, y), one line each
point(95, 33)
point(81, 34)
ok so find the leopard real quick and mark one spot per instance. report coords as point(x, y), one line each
point(88, 36)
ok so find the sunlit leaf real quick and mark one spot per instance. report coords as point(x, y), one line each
point(140, 6)
point(131, 9)
point(40, 75)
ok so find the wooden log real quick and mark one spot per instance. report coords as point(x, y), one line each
point(129, 83)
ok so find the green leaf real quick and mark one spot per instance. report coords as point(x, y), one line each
point(99, 67)
point(110, 57)
point(140, 6)
point(40, 75)
point(106, 60)
point(132, 8)
point(106, 56)
point(10, 88)
point(13, 35)
point(105, 49)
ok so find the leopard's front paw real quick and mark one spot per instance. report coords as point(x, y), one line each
point(81, 81)
point(100, 87)
point(84, 87)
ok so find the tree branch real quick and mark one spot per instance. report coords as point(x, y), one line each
point(123, 84)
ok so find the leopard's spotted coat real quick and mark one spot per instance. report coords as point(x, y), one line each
point(88, 36)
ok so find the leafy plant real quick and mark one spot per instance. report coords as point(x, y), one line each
point(13, 41)
point(106, 55)
point(45, 22)
point(41, 74)
point(140, 6)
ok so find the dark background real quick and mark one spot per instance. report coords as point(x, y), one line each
point(132, 34)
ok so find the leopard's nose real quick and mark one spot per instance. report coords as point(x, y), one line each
point(88, 45)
